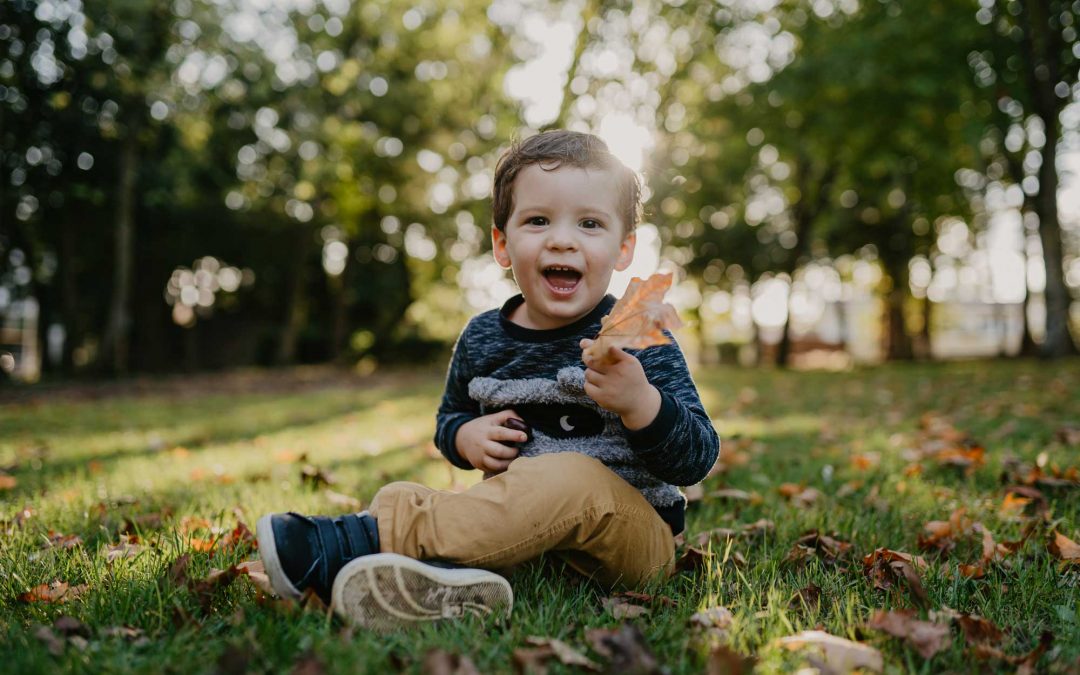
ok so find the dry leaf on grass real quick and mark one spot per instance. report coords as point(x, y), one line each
point(978, 630)
point(721, 534)
point(621, 609)
point(798, 495)
point(535, 660)
point(828, 549)
point(637, 320)
point(256, 572)
point(645, 597)
point(624, 648)
point(315, 477)
point(928, 638)
point(1064, 549)
point(692, 560)
point(67, 541)
point(343, 501)
point(441, 662)
point(714, 621)
point(723, 660)
point(839, 654)
point(129, 547)
point(886, 568)
point(54, 593)
point(808, 597)
point(1026, 662)
point(7, 482)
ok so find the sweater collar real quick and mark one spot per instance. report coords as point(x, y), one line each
point(547, 335)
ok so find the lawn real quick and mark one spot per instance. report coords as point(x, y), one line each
point(106, 493)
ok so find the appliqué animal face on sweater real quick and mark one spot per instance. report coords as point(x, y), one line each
point(564, 419)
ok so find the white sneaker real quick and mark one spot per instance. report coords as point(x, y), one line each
point(387, 591)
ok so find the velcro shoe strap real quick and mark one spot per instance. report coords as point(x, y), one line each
point(331, 546)
point(356, 536)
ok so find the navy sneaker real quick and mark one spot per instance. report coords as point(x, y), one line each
point(302, 552)
point(339, 559)
point(386, 592)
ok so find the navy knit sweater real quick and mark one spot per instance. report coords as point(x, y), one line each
point(498, 364)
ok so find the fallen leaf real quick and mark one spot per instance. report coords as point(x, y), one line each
point(56, 592)
point(692, 560)
point(735, 495)
point(886, 567)
point(308, 663)
point(58, 540)
point(441, 662)
point(865, 461)
point(968, 458)
point(533, 660)
point(723, 660)
point(621, 609)
point(928, 638)
point(636, 321)
point(715, 620)
point(645, 597)
point(941, 534)
point(189, 524)
point(256, 572)
point(978, 630)
point(1025, 662)
point(53, 642)
point(839, 654)
point(1064, 549)
point(69, 625)
point(129, 547)
point(625, 648)
point(7, 483)
point(721, 534)
point(350, 504)
point(808, 597)
point(827, 548)
point(123, 632)
point(315, 477)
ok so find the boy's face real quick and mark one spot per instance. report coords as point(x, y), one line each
point(563, 240)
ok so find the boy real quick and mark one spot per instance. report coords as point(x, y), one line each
point(582, 462)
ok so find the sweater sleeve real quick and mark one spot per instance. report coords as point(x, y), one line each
point(456, 407)
point(680, 445)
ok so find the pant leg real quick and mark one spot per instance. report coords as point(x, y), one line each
point(565, 502)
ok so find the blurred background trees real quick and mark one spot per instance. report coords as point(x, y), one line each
point(196, 184)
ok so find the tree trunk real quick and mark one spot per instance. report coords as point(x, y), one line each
point(69, 295)
point(296, 308)
point(1040, 48)
point(1057, 342)
point(115, 343)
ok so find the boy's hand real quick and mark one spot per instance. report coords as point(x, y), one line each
point(622, 388)
point(481, 441)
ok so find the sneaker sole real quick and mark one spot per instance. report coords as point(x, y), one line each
point(264, 533)
point(386, 591)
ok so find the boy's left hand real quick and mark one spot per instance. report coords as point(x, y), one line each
point(622, 388)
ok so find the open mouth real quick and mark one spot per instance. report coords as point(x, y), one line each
point(561, 280)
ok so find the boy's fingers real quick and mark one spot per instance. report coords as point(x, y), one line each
point(616, 353)
point(504, 415)
point(493, 464)
point(585, 343)
point(499, 451)
point(509, 435)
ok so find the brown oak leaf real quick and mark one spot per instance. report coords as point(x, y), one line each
point(637, 320)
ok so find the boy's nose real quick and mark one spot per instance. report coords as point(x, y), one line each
point(562, 237)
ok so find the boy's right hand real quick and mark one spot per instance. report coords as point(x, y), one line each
point(483, 441)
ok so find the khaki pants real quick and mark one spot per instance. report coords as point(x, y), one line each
point(567, 503)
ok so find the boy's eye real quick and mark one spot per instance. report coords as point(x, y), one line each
point(590, 224)
point(537, 220)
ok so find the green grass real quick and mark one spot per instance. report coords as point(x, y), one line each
point(85, 466)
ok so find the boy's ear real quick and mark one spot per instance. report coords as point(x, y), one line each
point(626, 251)
point(498, 248)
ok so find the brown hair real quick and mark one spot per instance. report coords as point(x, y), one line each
point(552, 149)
